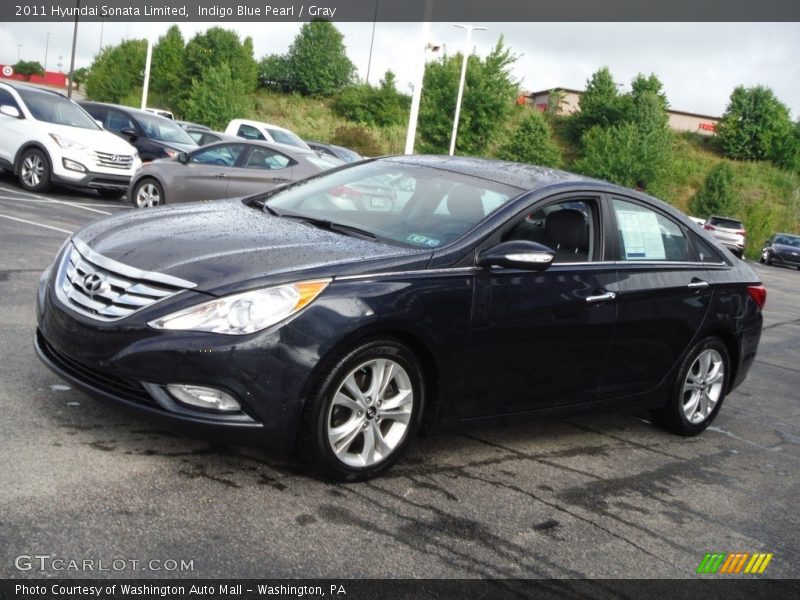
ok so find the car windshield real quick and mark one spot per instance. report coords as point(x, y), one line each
point(56, 109)
point(286, 137)
point(788, 240)
point(397, 202)
point(163, 130)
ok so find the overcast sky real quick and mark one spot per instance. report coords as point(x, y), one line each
point(698, 63)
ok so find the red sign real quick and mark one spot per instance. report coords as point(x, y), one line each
point(708, 127)
point(50, 77)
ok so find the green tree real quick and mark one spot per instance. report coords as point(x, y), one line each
point(755, 125)
point(641, 85)
point(490, 92)
point(717, 196)
point(212, 48)
point(28, 68)
point(382, 106)
point(166, 71)
point(600, 104)
point(318, 62)
point(117, 71)
point(274, 73)
point(532, 142)
point(216, 98)
point(79, 77)
point(623, 154)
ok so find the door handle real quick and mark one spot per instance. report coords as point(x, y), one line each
point(220, 176)
point(601, 297)
point(699, 284)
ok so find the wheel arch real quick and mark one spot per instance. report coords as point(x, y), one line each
point(28, 146)
point(732, 346)
point(142, 178)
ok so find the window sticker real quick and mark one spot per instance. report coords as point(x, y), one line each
point(641, 235)
point(422, 240)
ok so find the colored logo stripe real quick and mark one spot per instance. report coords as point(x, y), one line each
point(733, 563)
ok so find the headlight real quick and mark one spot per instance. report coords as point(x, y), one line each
point(244, 313)
point(67, 143)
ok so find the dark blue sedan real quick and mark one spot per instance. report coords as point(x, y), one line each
point(340, 314)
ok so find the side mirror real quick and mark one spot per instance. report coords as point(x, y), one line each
point(182, 157)
point(519, 254)
point(129, 133)
point(10, 111)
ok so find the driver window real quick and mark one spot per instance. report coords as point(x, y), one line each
point(224, 155)
point(565, 227)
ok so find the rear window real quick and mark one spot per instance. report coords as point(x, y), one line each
point(727, 223)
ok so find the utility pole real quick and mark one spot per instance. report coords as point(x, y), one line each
point(46, 48)
point(469, 29)
point(74, 44)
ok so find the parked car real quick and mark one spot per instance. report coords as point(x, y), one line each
point(189, 125)
point(339, 152)
point(224, 170)
point(161, 112)
point(203, 137)
point(153, 136)
point(48, 139)
point(256, 130)
point(782, 249)
point(730, 232)
point(493, 292)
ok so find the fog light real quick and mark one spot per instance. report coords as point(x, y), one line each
point(204, 397)
point(74, 166)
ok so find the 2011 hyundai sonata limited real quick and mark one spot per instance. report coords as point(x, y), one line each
point(342, 313)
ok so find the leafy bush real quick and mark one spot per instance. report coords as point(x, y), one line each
point(274, 73)
point(117, 71)
point(490, 93)
point(358, 138)
point(217, 98)
point(318, 63)
point(532, 142)
point(166, 71)
point(382, 106)
point(717, 196)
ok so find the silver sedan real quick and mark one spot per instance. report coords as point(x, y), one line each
point(227, 169)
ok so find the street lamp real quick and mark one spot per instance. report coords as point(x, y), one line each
point(46, 48)
point(74, 44)
point(469, 29)
point(411, 133)
point(19, 50)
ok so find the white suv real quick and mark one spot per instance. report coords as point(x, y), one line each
point(729, 232)
point(256, 130)
point(45, 139)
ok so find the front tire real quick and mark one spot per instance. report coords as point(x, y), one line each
point(362, 416)
point(699, 389)
point(147, 193)
point(34, 170)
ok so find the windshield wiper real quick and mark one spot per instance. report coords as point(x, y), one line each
point(332, 226)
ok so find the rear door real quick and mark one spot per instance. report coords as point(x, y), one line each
point(259, 169)
point(663, 296)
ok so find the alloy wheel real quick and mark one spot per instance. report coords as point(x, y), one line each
point(32, 170)
point(703, 386)
point(370, 413)
point(147, 196)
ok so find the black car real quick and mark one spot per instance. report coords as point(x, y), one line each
point(152, 135)
point(339, 152)
point(318, 316)
point(782, 249)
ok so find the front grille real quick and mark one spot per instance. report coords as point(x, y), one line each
point(127, 389)
point(113, 161)
point(107, 290)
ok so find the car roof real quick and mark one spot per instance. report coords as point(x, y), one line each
point(128, 109)
point(285, 148)
point(259, 124)
point(31, 88)
point(519, 175)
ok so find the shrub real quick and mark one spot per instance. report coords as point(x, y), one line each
point(358, 138)
point(717, 196)
point(532, 142)
point(216, 98)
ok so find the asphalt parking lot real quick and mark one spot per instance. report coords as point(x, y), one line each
point(598, 496)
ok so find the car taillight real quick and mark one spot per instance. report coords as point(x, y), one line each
point(758, 293)
point(709, 227)
point(742, 232)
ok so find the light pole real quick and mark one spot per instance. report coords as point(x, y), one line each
point(147, 61)
point(372, 39)
point(469, 29)
point(74, 44)
point(411, 133)
point(46, 48)
point(19, 51)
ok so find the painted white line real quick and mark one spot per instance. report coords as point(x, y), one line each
point(37, 224)
point(53, 200)
point(72, 204)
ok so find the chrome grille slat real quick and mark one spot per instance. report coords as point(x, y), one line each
point(120, 291)
point(108, 160)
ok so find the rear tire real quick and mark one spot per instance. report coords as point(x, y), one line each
point(699, 389)
point(34, 171)
point(363, 414)
point(147, 193)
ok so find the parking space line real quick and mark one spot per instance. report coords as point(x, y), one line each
point(10, 218)
point(52, 201)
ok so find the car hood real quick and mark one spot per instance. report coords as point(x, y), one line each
point(94, 139)
point(226, 246)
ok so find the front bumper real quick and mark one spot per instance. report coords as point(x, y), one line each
point(788, 260)
point(95, 181)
